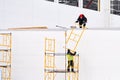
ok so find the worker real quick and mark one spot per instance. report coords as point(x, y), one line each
point(82, 20)
point(70, 60)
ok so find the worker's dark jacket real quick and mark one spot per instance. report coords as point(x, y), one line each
point(82, 20)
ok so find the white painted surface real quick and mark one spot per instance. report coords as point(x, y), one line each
point(24, 13)
point(98, 49)
point(28, 53)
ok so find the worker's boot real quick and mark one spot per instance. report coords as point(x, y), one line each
point(68, 70)
point(84, 25)
point(72, 70)
point(80, 26)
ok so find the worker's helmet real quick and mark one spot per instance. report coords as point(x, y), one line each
point(81, 15)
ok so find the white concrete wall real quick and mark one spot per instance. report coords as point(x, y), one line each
point(98, 49)
point(114, 21)
point(28, 53)
point(24, 13)
point(99, 52)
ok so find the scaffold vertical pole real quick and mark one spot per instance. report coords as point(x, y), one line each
point(49, 63)
point(5, 52)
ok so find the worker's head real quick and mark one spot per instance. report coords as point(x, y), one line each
point(68, 51)
point(81, 15)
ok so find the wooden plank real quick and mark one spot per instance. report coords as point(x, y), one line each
point(29, 28)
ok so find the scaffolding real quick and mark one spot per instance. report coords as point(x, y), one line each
point(49, 63)
point(5, 55)
point(50, 68)
point(74, 37)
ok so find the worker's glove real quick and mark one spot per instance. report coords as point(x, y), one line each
point(75, 53)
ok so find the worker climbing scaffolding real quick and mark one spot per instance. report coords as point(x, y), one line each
point(70, 60)
point(71, 64)
point(73, 38)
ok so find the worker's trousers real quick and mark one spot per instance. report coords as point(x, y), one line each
point(70, 64)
